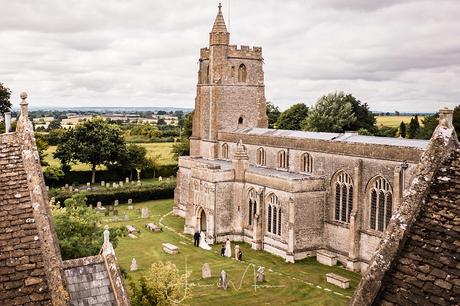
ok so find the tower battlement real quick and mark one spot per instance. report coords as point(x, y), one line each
point(244, 52)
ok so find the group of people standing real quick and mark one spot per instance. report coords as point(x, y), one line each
point(225, 251)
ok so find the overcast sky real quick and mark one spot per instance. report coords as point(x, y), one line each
point(394, 55)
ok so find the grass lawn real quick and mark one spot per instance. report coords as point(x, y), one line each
point(162, 148)
point(302, 283)
point(395, 121)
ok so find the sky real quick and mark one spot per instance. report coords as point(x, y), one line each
point(394, 55)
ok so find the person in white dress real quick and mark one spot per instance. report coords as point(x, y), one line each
point(203, 243)
point(228, 248)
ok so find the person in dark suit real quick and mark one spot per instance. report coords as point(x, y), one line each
point(196, 239)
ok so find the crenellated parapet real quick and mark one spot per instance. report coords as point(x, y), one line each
point(204, 54)
point(244, 52)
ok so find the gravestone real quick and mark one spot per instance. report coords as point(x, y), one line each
point(223, 282)
point(130, 201)
point(152, 227)
point(260, 275)
point(88, 184)
point(170, 248)
point(160, 178)
point(131, 229)
point(237, 251)
point(47, 188)
point(144, 212)
point(116, 203)
point(125, 217)
point(70, 187)
point(102, 184)
point(206, 271)
point(338, 280)
point(99, 206)
point(132, 236)
point(138, 183)
point(107, 185)
point(66, 186)
point(120, 183)
point(130, 207)
point(115, 218)
point(114, 185)
point(133, 265)
point(127, 180)
point(115, 212)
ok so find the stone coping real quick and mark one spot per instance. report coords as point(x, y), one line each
point(84, 261)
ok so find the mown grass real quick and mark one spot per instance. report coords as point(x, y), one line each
point(302, 283)
point(395, 121)
point(163, 149)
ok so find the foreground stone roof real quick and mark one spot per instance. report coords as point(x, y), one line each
point(418, 259)
point(31, 267)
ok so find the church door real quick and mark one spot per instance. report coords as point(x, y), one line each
point(203, 221)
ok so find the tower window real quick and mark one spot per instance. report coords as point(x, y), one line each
point(343, 199)
point(242, 73)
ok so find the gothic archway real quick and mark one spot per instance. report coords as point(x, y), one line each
point(202, 222)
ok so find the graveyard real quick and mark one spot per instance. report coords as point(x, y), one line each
point(284, 283)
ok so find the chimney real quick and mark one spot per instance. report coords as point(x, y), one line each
point(7, 122)
point(446, 117)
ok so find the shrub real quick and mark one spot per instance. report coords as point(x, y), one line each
point(160, 190)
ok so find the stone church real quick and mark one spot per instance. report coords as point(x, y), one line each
point(290, 193)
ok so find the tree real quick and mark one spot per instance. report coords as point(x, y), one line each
point(53, 174)
point(456, 120)
point(188, 122)
point(291, 118)
point(430, 123)
point(133, 158)
point(413, 127)
point(161, 121)
point(365, 119)
point(93, 142)
point(42, 146)
point(5, 104)
point(181, 148)
point(332, 113)
point(53, 125)
point(162, 286)
point(402, 129)
point(78, 231)
point(273, 114)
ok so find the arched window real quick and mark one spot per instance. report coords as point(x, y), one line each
point(343, 197)
point(274, 215)
point(306, 163)
point(381, 204)
point(207, 75)
point(242, 73)
point(260, 157)
point(252, 205)
point(282, 159)
point(225, 151)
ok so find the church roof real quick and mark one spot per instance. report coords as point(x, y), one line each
point(418, 259)
point(219, 23)
point(350, 137)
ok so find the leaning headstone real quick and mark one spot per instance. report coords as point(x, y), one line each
point(102, 184)
point(144, 212)
point(116, 203)
point(115, 212)
point(206, 271)
point(130, 201)
point(223, 282)
point(130, 207)
point(260, 275)
point(115, 218)
point(133, 265)
point(125, 217)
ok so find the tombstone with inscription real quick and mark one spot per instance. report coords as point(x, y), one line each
point(133, 265)
point(130, 201)
point(260, 275)
point(144, 212)
point(206, 271)
point(115, 203)
point(223, 282)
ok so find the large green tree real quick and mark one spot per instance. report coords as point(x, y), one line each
point(77, 229)
point(94, 142)
point(365, 119)
point(292, 118)
point(402, 129)
point(273, 114)
point(133, 158)
point(5, 94)
point(429, 124)
point(413, 128)
point(331, 113)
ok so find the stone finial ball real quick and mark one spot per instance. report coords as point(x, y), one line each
point(23, 95)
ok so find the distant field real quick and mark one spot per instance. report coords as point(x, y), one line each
point(164, 149)
point(395, 121)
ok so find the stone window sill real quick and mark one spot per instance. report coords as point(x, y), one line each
point(339, 223)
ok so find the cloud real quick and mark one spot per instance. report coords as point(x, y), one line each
point(401, 55)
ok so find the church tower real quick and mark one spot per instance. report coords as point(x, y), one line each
point(230, 91)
